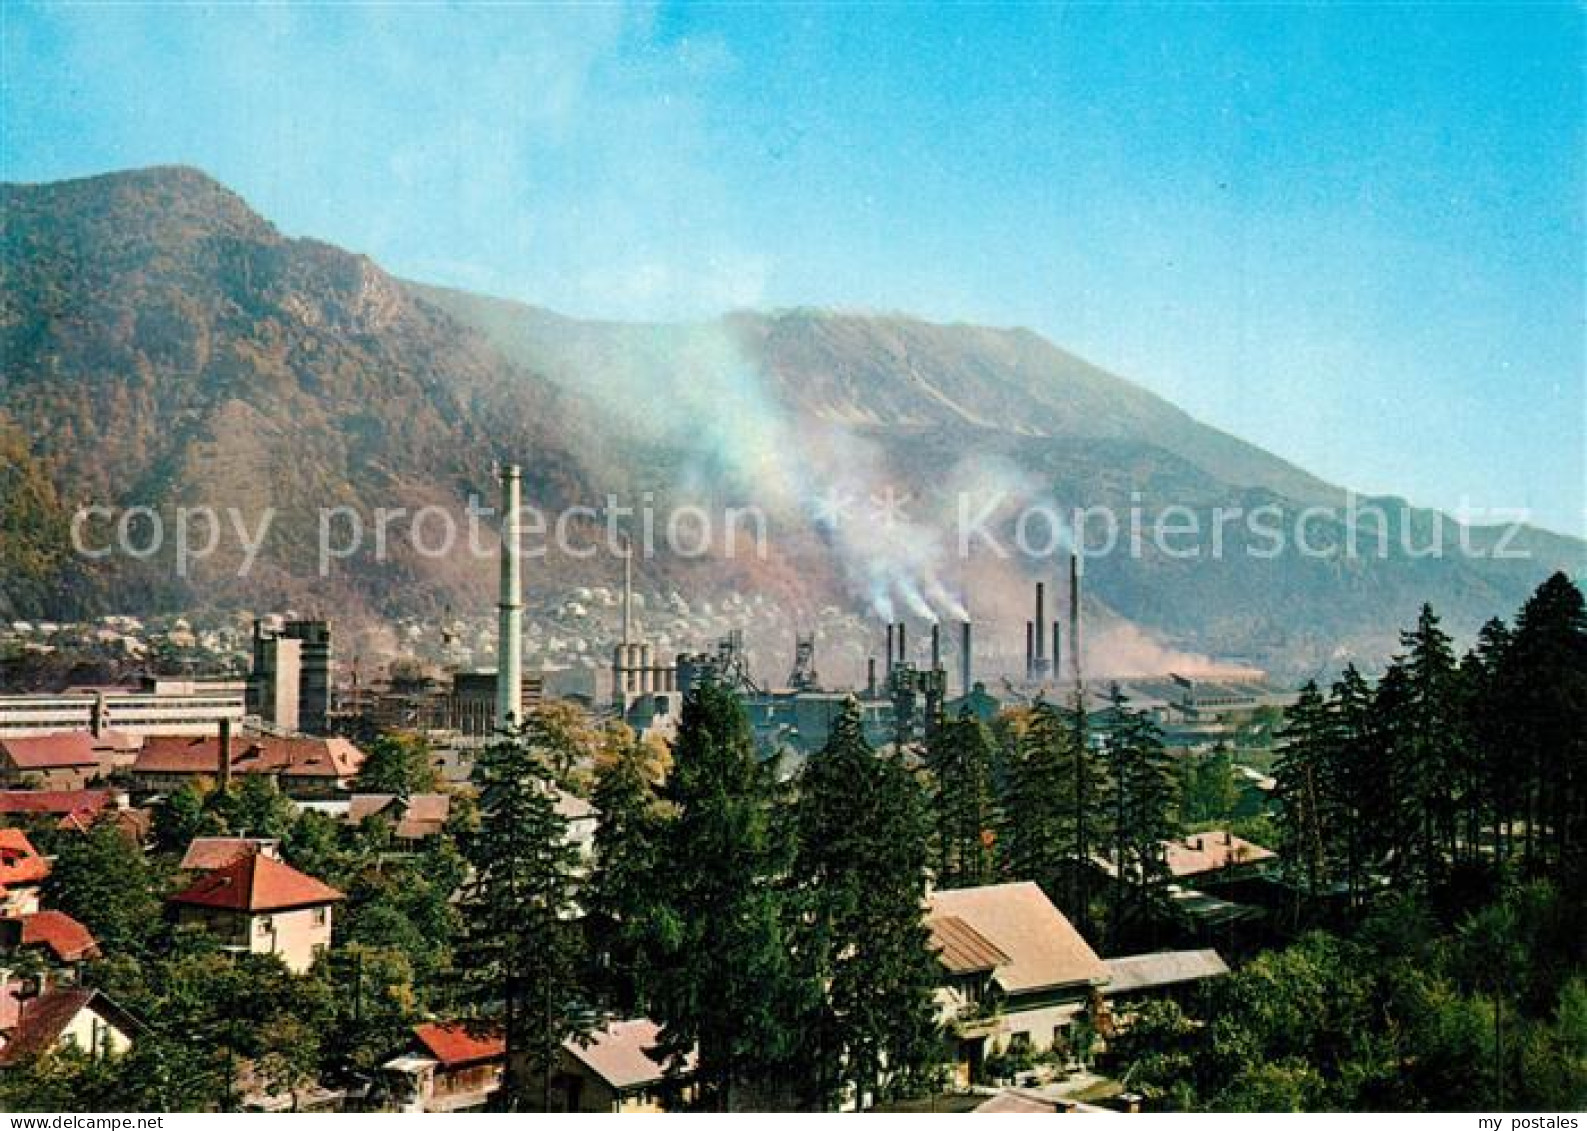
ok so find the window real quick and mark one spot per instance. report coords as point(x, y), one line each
point(320, 916)
point(266, 924)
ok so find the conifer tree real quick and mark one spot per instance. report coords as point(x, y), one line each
point(1431, 738)
point(720, 972)
point(1352, 778)
point(1052, 814)
point(1543, 679)
point(618, 898)
point(521, 948)
point(858, 883)
point(1302, 773)
point(1039, 808)
point(960, 757)
point(1144, 807)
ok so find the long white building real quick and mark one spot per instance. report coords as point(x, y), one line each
point(159, 706)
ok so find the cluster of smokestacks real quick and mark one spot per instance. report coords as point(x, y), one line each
point(1038, 664)
point(1036, 635)
point(898, 653)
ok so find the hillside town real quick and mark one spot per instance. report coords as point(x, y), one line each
point(285, 892)
point(820, 559)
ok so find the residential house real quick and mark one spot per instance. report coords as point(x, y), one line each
point(60, 939)
point(451, 1066)
point(22, 806)
point(63, 760)
point(302, 767)
point(61, 1018)
point(1017, 973)
point(22, 873)
point(262, 906)
point(1169, 973)
point(581, 818)
point(206, 853)
point(616, 1068)
point(414, 818)
point(1216, 857)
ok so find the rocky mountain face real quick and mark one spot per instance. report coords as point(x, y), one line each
point(165, 346)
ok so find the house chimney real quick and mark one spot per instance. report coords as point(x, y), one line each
point(509, 629)
point(965, 669)
point(223, 755)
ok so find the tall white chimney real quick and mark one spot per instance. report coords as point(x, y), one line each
point(509, 628)
point(628, 592)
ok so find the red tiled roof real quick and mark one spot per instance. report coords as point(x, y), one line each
point(55, 802)
point(44, 1018)
point(65, 936)
point(961, 948)
point(133, 823)
point(262, 754)
point(257, 883)
point(421, 815)
point(451, 1043)
point(65, 750)
point(20, 862)
point(206, 853)
point(42, 1021)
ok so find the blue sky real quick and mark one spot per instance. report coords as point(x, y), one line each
point(1352, 234)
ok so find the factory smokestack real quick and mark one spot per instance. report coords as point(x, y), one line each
point(965, 669)
point(1041, 625)
point(870, 677)
point(509, 629)
point(1057, 652)
point(1074, 617)
point(628, 592)
point(936, 646)
point(903, 652)
point(1030, 650)
point(890, 650)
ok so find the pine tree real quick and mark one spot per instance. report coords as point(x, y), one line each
point(1544, 680)
point(1039, 809)
point(1145, 802)
point(521, 947)
point(720, 972)
point(858, 882)
point(1051, 814)
point(1431, 742)
point(1352, 777)
point(619, 896)
point(1302, 773)
point(960, 757)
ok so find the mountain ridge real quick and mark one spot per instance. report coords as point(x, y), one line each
point(162, 341)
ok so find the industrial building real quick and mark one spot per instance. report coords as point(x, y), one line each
point(154, 706)
point(289, 688)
